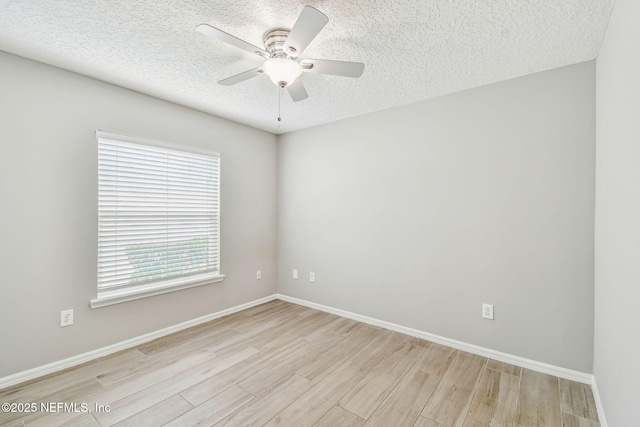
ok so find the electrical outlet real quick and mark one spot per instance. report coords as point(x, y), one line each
point(487, 311)
point(259, 274)
point(66, 318)
point(312, 277)
point(295, 273)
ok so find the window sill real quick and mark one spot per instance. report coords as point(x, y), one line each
point(106, 298)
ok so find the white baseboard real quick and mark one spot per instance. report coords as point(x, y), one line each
point(596, 396)
point(471, 348)
point(123, 345)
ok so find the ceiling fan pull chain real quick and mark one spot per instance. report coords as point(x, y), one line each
point(279, 101)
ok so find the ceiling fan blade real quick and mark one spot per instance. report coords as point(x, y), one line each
point(334, 68)
point(232, 40)
point(306, 28)
point(297, 91)
point(239, 78)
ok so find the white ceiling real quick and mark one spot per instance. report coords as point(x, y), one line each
point(412, 49)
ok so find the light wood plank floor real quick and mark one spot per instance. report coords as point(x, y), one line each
point(280, 364)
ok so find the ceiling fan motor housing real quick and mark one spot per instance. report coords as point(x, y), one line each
point(274, 40)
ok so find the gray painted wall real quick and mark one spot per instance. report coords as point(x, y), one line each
point(419, 214)
point(617, 242)
point(48, 219)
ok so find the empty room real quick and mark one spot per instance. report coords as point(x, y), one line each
point(320, 213)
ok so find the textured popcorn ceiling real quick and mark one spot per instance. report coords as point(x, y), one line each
point(413, 50)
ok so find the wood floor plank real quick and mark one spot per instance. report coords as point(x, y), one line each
point(494, 402)
point(285, 366)
point(404, 404)
point(274, 317)
point(330, 360)
point(451, 399)
point(139, 375)
point(85, 420)
point(426, 422)
point(176, 338)
point(570, 420)
point(538, 400)
point(346, 327)
point(161, 390)
point(262, 360)
point(577, 399)
point(158, 414)
point(327, 328)
point(418, 341)
point(367, 395)
point(226, 321)
point(261, 308)
point(148, 365)
point(279, 311)
point(189, 342)
point(304, 326)
point(311, 406)
point(267, 405)
point(214, 409)
point(503, 367)
point(337, 416)
point(376, 351)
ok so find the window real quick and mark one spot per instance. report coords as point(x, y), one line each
point(158, 219)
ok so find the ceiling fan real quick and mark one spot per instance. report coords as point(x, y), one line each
point(282, 50)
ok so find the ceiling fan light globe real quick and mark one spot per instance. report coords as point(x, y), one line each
point(282, 71)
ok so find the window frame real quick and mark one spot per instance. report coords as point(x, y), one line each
point(106, 297)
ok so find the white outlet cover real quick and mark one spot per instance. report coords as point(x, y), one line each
point(312, 277)
point(295, 273)
point(487, 311)
point(66, 318)
point(259, 274)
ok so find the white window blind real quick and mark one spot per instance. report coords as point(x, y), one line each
point(158, 214)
